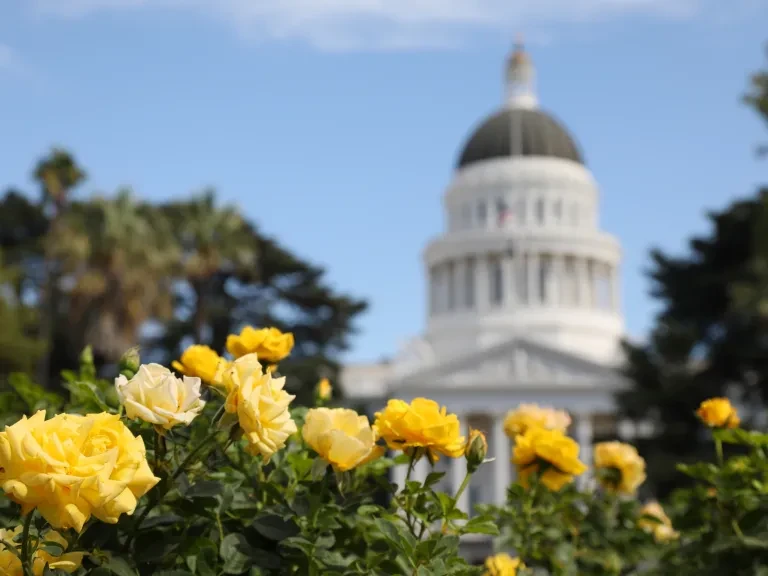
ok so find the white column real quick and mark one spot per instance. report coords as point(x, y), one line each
point(551, 279)
point(459, 471)
point(615, 289)
point(421, 469)
point(501, 466)
point(482, 289)
point(582, 279)
point(558, 280)
point(533, 279)
point(584, 438)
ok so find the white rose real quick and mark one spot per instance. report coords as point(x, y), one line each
point(157, 396)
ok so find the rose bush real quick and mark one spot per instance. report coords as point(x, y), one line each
point(216, 471)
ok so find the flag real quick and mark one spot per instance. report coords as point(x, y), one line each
point(503, 213)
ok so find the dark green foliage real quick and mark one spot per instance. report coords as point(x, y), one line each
point(99, 271)
point(711, 335)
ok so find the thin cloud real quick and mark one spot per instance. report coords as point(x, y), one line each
point(343, 25)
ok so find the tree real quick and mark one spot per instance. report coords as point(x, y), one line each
point(119, 263)
point(232, 275)
point(58, 174)
point(711, 336)
point(18, 348)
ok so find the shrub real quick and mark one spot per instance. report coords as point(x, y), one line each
point(216, 472)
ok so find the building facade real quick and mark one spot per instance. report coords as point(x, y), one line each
point(523, 292)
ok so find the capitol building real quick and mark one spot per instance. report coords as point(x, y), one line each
point(524, 294)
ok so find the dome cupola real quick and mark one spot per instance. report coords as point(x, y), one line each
point(520, 128)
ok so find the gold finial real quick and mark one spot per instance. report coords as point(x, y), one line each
point(519, 55)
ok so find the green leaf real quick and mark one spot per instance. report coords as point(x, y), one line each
point(299, 543)
point(53, 548)
point(319, 467)
point(33, 395)
point(85, 393)
point(234, 551)
point(433, 478)
point(481, 525)
point(740, 436)
point(274, 527)
point(118, 566)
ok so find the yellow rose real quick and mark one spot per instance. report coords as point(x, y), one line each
point(200, 361)
point(527, 416)
point(71, 467)
point(661, 527)
point(623, 461)
point(341, 437)
point(10, 565)
point(718, 413)
point(269, 344)
point(157, 396)
point(502, 565)
point(422, 427)
point(324, 390)
point(550, 451)
point(261, 406)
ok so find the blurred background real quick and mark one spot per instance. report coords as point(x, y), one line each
point(393, 183)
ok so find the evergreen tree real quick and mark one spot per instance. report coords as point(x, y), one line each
point(711, 336)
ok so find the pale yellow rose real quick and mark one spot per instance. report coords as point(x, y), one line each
point(157, 396)
point(661, 528)
point(718, 413)
point(261, 405)
point(421, 427)
point(548, 451)
point(201, 361)
point(269, 344)
point(341, 437)
point(72, 467)
point(526, 416)
point(622, 461)
point(10, 565)
point(502, 565)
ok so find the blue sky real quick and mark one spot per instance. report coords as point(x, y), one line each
point(335, 124)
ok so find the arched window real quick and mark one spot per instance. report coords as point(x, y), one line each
point(449, 278)
point(495, 281)
point(521, 211)
point(502, 212)
point(540, 211)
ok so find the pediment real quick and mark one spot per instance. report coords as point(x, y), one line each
point(515, 363)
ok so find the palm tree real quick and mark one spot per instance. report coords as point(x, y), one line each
point(125, 277)
point(216, 244)
point(58, 174)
